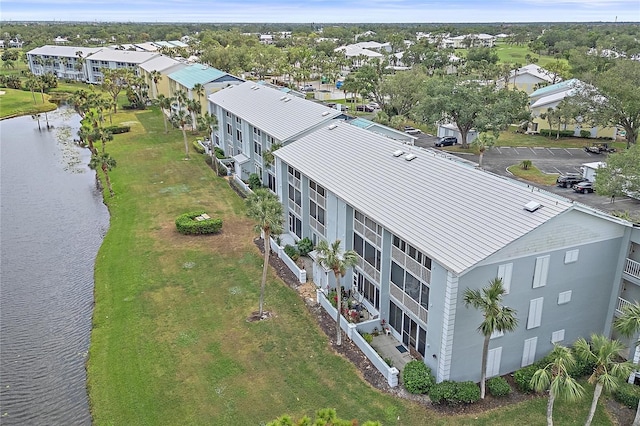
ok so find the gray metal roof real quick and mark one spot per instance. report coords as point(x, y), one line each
point(454, 213)
point(64, 51)
point(159, 63)
point(128, 56)
point(269, 110)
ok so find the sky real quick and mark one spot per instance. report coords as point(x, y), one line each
point(319, 11)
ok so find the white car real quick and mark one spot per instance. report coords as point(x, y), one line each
point(373, 105)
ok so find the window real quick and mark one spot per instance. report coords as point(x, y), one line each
point(529, 351)
point(295, 225)
point(535, 313)
point(557, 336)
point(571, 256)
point(564, 297)
point(493, 362)
point(541, 271)
point(395, 316)
point(257, 148)
point(504, 273)
point(257, 132)
point(367, 289)
point(229, 129)
point(238, 120)
point(397, 274)
point(239, 135)
point(271, 179)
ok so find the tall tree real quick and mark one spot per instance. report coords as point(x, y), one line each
point(194, 107)
point(182, 119)
point(555, 377)
point(332, 257)
point(496, 318)
point(628, 324)
point(470, 104)
point(621, 173)
point(483, 142)
point(156, 76)
point(614, 98)
point(609, 369)
point(199, 90)
point(265, 208)
point(113, 82)
point(164, 104)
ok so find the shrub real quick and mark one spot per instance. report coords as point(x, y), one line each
point(219, 152)
point(553, 133)
point(627, 394)
point(198, 148)
point(188, 225)
point(525, 164)
point(498, 386)
point(523, 377)
point(305, 246)
point(367, 337)
point(116, 130)
point(585, 134)
point(417, 377)
point(582, 368)
point(254, 181)
point(389, 362)
point(454, 393)
point(292, 252)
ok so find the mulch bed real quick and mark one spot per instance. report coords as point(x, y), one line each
point(620, 414)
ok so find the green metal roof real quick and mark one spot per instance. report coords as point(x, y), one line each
point(563, 85)
point(196, 73)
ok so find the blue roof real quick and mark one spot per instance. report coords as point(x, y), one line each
point(563, 85)
point(361, 122)
point(191, 75)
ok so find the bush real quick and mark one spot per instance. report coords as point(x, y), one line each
point(417, 377)
point(582, 368)
point(254, 182)
point(498, 386)
point(197, 147)
point(553, 133)
point(292, 252)
point(188, 225)
point(627, 394)
point(454, 393)
point(367, 337)
point(585, 134)
point(219, 152)
point(305, 246)
point(523, 377)
point(116, 130)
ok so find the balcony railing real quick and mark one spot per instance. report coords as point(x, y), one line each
point(622, 304)
point(632, 268)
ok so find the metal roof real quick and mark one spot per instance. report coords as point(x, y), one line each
point(191, 75)
point(158, 64)
point(454, 213)
point(534, 70)
point(64, 51)
point(558, 87)
point(280, 115)
point(128, 56)
point(553, 98)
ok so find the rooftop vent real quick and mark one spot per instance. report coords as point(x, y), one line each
point(283, 98)
point(324, 114)
point(398, 153)
point(333, 126)
point(410, 157)
point(532, 206)
point(287, 100)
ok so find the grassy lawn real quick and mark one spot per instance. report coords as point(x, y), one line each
point(18, 102)
point(532, 174)
point(170, 343)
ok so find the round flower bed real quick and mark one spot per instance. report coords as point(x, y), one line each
point(198, 223)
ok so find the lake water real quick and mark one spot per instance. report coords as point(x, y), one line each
point(52, 221)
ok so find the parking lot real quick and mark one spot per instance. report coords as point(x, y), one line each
point(547, 160)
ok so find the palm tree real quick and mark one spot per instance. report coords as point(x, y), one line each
point(264, 207)
point(267, 156)
point(483, 142)
point(194, 107)
point(165, 106)
point(555, 377)
point(156, 76)
point(628, 324)
point(608, 371)
point(198, 89)
point(497, 318)
point(182, 119)
point(332, 257)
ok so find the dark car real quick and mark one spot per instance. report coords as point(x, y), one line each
point(583, 187)
point(447, 141)
point(364, 108)
point(568, 180)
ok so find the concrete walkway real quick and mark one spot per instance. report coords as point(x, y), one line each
point(387, 347)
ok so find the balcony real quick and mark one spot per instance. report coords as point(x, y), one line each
point(622, 303)
point(631, 267)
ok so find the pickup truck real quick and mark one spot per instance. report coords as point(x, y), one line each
point(570, 179)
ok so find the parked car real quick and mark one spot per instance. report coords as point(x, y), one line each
point(374, 105)
point(599, 148)
point(583, 187)
point(447, 141)
point(570, 179)
point(364, 108)
point(411, 130)
point(307, 88)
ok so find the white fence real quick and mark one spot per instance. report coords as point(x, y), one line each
point(241, 184)
point(391, 373)
point(301, 274)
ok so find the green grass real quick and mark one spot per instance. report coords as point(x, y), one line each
point(512, 54)
point(170, 343)
point(14, 103)
point(533, 174)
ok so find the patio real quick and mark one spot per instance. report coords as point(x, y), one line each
point(387, 347)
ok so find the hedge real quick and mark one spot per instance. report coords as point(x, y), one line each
point(417, 377)
point(551, 132)
point(498, 386)
point(523, 377)
point(627, 394)
point(115, 130)
point(199, 148)
point(454, 393)
point(188, 225)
